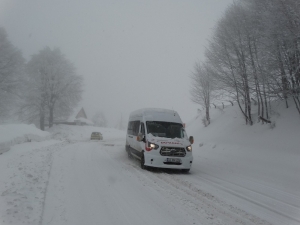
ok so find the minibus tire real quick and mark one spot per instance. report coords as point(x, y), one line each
point(143, 162)
point(129, 153)
point(185, 170)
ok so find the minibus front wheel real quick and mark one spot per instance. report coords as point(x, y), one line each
point(129, 153)
point(143, 162)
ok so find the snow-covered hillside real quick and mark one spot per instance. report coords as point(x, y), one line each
point(228, 127)
point(255, 163)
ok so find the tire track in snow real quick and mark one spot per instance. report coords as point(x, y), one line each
point(52, 150)
point(197, 200)
point(46, 187)
point(284, 206)
point(218, 205)
point(280, 207)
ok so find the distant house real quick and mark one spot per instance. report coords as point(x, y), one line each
point(80, 119)
point(81, 114)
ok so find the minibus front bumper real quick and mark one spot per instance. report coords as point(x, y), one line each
point(168, 161)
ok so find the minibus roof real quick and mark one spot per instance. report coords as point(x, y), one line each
point(155, 114)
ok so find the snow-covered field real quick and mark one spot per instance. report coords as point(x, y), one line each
point(240, 175)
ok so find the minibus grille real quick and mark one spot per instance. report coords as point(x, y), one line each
point(171, 151)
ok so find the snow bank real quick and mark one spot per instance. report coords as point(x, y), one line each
point(24, 177)
point(260, 159)
point(12, 134)
point(83, 133)
point(228, 127)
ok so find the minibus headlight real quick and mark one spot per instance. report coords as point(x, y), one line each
point(189, 148)
point(149, 146)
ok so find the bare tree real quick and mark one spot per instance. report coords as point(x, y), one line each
point(255, 54)
point(279, 24)
point(11, 65)
point(201, 90)
point(228, 55)
point(53, 85)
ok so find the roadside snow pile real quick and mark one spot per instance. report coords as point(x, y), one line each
point(83, 133)
point(12, 134)
point(228, 128)
point(25, 170)
point(259, 161)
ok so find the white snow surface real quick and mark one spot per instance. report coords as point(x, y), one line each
point(240, 175)
point(83, 133)
point(84, 120)
point(11, 134)
point(11, 131)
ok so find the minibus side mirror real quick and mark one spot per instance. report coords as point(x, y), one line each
point(140, 137)
point(191, 139)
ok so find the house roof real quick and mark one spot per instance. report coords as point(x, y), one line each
point(81, 114)
point(77, 114)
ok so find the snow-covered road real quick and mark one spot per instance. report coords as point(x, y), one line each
point(78, 181)
point(95, 183)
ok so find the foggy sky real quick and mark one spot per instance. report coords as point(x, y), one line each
point(132, 54)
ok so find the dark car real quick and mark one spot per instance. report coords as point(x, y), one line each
point(96, 136)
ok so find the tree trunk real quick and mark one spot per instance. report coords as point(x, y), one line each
point(207, 114)
point(284, 80)
point(51, 116)
point(257, 89)
point(42, 119)
point(239, 104)
point(249, 111)
point(245, 110)
point(266, 102)
point(297, 105)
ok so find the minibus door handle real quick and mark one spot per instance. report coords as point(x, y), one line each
point(130, 136)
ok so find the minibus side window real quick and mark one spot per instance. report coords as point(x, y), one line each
point(135, 128)
point(143, 129)
point(129, 129)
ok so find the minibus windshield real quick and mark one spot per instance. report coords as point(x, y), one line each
point(165, 129)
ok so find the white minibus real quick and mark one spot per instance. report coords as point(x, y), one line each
point(158, 139)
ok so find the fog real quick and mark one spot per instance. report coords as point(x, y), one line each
point(132, 54)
